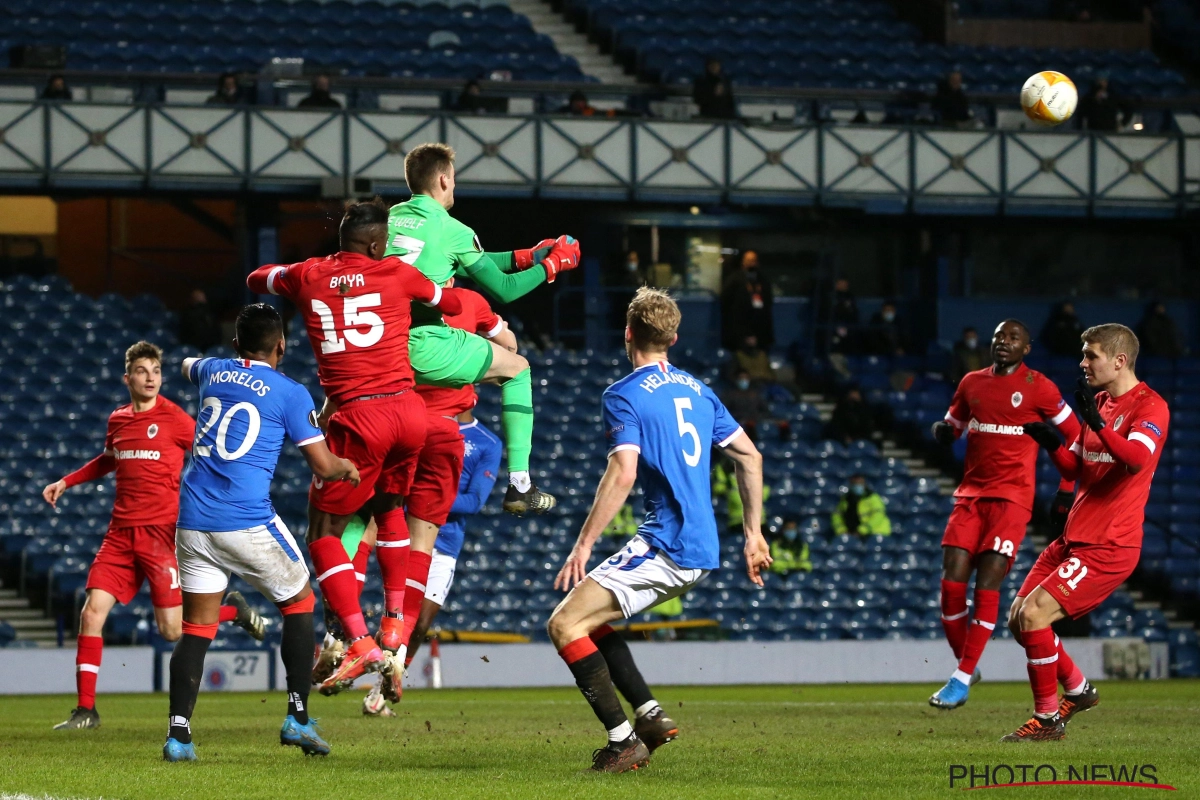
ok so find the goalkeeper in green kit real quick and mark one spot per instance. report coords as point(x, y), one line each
point(422, 233)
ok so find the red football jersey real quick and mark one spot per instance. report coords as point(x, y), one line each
point(991, 410)
point(476, 317)
point(358, 314)
point(1110, 501)
point(149, 447)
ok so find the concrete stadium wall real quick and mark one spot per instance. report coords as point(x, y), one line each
point(38, 671)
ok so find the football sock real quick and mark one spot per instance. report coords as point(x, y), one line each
point(335, 576)
point(625, 674)
point(228, 614)
point(987, 608)
point(296, 652)
point(646, 709)
point(1041, 655)
point(187, 670)
point(593, 679)
point(361, 557)
point(1069, 675)
point(392, 553)
point(414, 591)
point(88, 651)
point(516, 417)
point(954, 615)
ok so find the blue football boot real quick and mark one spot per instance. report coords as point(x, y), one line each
point(954, 693)
point(175, 750)
point(303, 736)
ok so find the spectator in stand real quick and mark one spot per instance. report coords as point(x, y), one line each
point(198, 325)
point(885, 337)
point(578, 106)
point(950, 102)
point(748, 305)
point(631, 275)
point(1060, 334)
point(861, 510)
point(1100, 109)
point(228, 92)
point(745, 402)
point(789, 553)
point(713, 93)
point(319, 96)
point(753, 360)
point(56, 89)
point(1158, 334)
point(469, 99)
point(852, 419)
point(842, 318)
point(968, 356)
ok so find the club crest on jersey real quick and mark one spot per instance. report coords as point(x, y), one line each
point(1117, 422)
point(1017, 398)
point(152, 431)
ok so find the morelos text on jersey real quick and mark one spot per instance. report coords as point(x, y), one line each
point(672, 420)
point(246, 409)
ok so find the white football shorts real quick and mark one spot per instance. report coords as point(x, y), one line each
point(641, 576)
point(265, 556)
point(441, 576)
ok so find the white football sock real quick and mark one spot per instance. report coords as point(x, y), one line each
point(621, 732)
point(1078, 689)
point(520, 479)
point(961, 677)
point(647, 708)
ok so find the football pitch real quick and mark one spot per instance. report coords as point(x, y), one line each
point(844, 741)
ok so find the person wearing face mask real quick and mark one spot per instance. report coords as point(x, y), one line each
point(885, 337)
point(754, 361)
point(631, 275)
point(745, 402)
point(861, 511)
point(747, 306)
point(789, 551)
point(968, 356)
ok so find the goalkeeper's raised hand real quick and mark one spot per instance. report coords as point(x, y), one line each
point(524, 259)
point(563, 256)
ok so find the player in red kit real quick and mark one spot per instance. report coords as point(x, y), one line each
point(145, 445)
point(994, 502)
point(356, 307)
point(1113, 459)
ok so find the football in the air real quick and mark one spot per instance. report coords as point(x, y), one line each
point(1049, 98)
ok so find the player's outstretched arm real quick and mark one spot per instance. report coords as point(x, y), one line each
point(747, 463)
point(95, 469)
point(614, 489)
point(326, 466)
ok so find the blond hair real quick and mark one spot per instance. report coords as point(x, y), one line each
point(141, 350)
point(653, 319)
point(1113, 339)
point(424, 163)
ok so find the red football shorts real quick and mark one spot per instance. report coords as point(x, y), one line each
point(383, 438)
point(1080, 576)
point(438, 470)
point(133, 554)
point(985, 525)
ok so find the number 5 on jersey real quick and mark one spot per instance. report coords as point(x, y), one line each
point(354, 318)
point(687, 429)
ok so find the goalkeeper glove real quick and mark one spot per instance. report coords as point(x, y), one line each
point(562, 257)
point(943, 432)
point(1044, 434)
point(1085, 404)
point(524, 259)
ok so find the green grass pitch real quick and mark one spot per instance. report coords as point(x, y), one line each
point(846, 741)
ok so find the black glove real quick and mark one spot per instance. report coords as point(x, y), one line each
point(943, 432)
point(1044, 434)
point(1060, 507)
point(1085, 404)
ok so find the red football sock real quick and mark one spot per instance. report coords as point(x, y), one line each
point(1069, 675)
point(954, 615)
point(88, 651)
point(392, 553)
point(228, 614)
point(335, 576)
point(360, 564)
point(1041, 655)
point(987, 608)
point(414, 590)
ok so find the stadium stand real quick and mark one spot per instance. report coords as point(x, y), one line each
point(63, 352)
point(428, 40)
point(841, 44)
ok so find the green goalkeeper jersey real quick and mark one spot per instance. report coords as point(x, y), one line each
point(422, 233)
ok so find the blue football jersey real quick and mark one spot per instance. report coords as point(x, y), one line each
point(672, 420)
point(246, 408)
point(481, 465)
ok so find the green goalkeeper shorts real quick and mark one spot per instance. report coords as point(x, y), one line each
point(446, 356)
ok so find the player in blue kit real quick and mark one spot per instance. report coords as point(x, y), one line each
point(669, 420)
point(227, 523)
point(482, 450)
